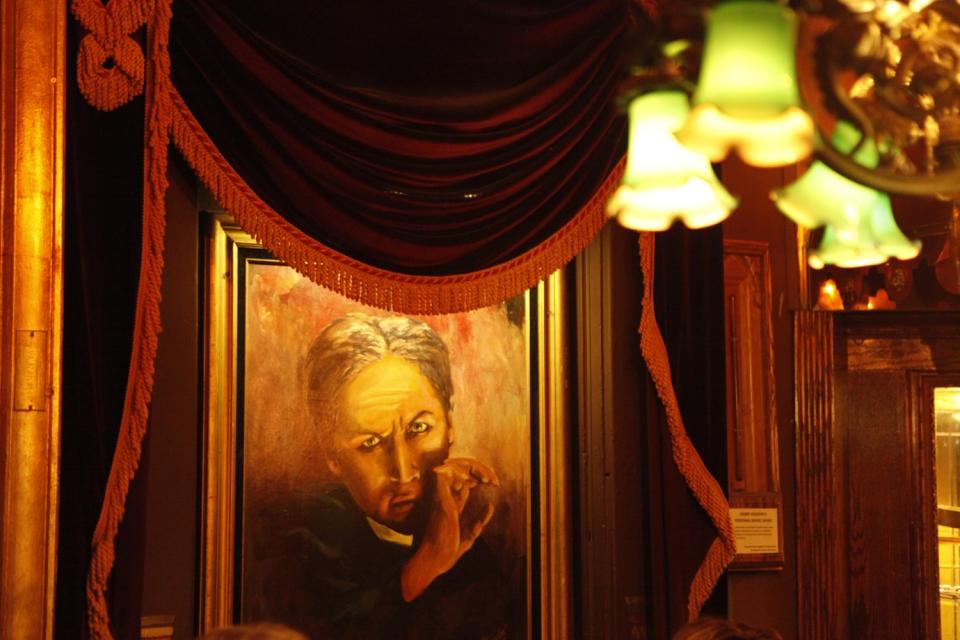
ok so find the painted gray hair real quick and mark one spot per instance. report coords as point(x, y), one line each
point(353, 342)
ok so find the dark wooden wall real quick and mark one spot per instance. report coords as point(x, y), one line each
point(171, 455)
point(768, 598)
point(866, 476)
point(611, 528)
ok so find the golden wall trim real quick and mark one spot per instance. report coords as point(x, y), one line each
point(32, 68)
point(555, 508)
point(218, 510)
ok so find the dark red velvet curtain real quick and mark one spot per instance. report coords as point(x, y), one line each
point(688, 298)
point(417, 137)
point(103, 199)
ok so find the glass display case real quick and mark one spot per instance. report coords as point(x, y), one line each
point(946, 403)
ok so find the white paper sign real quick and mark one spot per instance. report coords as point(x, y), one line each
point(755, 530)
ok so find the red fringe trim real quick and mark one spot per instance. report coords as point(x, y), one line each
point(110, 26)
point(167, 115)
point(146, 329)
point(701, 482)
point(366, 284)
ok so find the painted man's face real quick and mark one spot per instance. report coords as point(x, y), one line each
point(391, 432)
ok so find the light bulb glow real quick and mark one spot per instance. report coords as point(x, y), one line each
point(822, 196)
point(860, 228)
point(770, 142)
point(873, 240)
point(829, 296)
point(663, 179)
point(696, 203)
point(747, 97)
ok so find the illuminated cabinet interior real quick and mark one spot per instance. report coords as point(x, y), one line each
point(946, 402)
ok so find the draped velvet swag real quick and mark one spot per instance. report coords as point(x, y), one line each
point(421, 157)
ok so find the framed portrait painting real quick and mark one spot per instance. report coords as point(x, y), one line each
point(370, 474)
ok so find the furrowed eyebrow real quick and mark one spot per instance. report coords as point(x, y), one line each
point(370, 432)
point(423, 414)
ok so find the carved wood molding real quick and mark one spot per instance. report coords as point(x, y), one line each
point(921, 443)
point(818, 525)
point(901, 340)
point(752, 407)
point(753, 470)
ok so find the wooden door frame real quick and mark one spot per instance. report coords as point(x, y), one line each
point(921, 427)
point(825, 343)
point(818, 516)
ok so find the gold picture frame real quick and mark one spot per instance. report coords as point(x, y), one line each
point(32, 166)
point(546, 543)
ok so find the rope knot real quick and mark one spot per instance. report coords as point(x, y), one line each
point(110, 63)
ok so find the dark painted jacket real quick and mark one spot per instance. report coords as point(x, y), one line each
point(314, 563)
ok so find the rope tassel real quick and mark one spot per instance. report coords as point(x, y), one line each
point(146, 330)
point(704, 486)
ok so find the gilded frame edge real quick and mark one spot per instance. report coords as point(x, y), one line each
point(222, 241)
point(32, 165)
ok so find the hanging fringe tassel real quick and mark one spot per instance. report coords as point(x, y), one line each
point(133, 423)
point(366, 284)
point(110, 64)
point(106, 88)
point(703, 485)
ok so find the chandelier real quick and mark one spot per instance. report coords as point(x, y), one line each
point(866, 93)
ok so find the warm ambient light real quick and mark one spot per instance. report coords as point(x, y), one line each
point(663, 179)
point(860, 228)
point(878, 63)
point(747, 97)
point(872, 239)
point(829, 297)
point(881, 301)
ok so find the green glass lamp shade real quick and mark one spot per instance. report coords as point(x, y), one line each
point(821, 195)
point(747, 97)
point(860, 228)
point(663, 179)
point(871, 239)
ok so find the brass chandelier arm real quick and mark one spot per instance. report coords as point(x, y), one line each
point(944, 185)
point(853, 111)
point(885, 114)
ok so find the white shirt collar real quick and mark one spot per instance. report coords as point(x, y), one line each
point(387, 534)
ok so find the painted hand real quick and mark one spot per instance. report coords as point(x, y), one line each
point(448, 536)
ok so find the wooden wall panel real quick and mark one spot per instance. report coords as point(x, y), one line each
point(921, 440)
point(818, 522)
point(611, 599)
point(768, 598)
point(880, 503)
point(865, 459)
